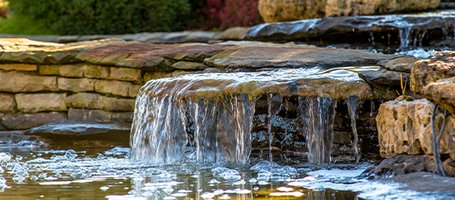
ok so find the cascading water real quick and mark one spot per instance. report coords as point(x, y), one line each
point(352, 103)
point(209, 117)
point(318, 116)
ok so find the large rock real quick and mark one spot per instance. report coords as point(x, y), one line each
point(442, 93)
point(398, 29)
point(404, 127)
point(21, 121)
point(255, 57)
point(33, 103)
point(285, 10)
point(99, 102)
point(424, 72)
point(21, 82)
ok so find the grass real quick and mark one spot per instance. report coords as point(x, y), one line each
point(19, 25)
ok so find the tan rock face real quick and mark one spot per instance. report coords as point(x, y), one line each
point(99, 102)
point(118, 88)
point(21, 82)
point(442, 93)
point(423, 72)
point(76, 84)
point(32, 103)
point(7, 103)
point(404, 127)
point(287, 10)
point(99, 115)
point(126, 74)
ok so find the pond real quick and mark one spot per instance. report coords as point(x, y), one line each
point(28, 172)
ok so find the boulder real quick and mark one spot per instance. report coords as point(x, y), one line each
point(285, 10)
point(442, 93)
point(424, 72)
point(404, 127)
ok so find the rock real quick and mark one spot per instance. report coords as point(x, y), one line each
point(99, 102)
point(82, 134)
point(33, 103)
point(404, 127)
point(125, 74)
point(21, 82)
point(404, 164)
point(76, 84)
point(440, 66)
point(401, 64)
point(7, 103)
point(119, 88)
point(75, 128)
point(61, 70)
point(285, 10)
point(383, 77)
point(442, 93)
point(95, 71)
point(99, 115)
point(293, 57)
point(19, 50)
point(150, 56)
point(18, 67)
point(357, 29)
point(427, 182)
point(234, 33)
point(185, 65)
point(305, 83)
point(21, 121)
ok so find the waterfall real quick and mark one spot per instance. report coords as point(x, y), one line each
point(352, 103)
point(405, 34)
point(219, 129)
point(274, 106)
point(318, 116)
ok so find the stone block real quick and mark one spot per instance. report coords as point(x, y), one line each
point(99, 102)
point(99, 115)
point(76, 84)
point(61, 70)
point(126, 74)
point(95, 71)
point(404, 127)
point(14, 81)
point(21, 121)
point(33, 103)
point(185, 65)
point(424, 72)
point(18, 67)
point(7, 103)
point(118, 88)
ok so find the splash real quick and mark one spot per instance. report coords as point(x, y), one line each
point(352, 103)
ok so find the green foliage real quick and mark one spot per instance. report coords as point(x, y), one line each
point(104, 16)
point(20, 25)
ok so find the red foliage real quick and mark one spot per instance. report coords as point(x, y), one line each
point(3, 13)
point(227, 13)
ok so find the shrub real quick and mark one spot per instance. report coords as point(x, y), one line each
point(104, 16)
point(227, 13)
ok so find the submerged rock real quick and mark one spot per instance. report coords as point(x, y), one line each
point(284, 10)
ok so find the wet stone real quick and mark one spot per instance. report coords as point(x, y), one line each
point(20, 121)
point(402, 64)
point(185, 65)
point(99, 102)
point(99, 115)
